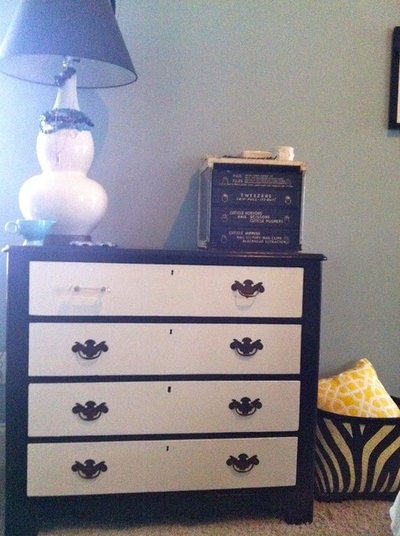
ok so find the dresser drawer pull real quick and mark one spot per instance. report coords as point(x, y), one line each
point(89, 349)
point(89, 469)
point(248, 289)
point(90, 411)
point(246, 406)
point(78, 288)
point(247, 347)
point(242, 464)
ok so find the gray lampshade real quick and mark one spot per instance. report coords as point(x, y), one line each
point(43, 32)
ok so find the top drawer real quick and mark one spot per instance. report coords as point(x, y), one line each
point(76, 289)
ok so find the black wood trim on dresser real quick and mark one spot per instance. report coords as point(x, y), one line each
point(22, 512)
point(302, 496)
point(18, 507)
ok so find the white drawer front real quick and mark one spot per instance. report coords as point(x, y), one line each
point(125, 408)
point(122, 349)
point(70, 288)
point(145, 466)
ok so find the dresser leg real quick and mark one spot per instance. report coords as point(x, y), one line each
point(298, 508)
point(19, 519)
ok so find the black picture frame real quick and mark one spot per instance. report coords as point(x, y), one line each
point(394, 97)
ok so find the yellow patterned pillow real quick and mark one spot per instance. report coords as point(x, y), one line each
point(356, 392)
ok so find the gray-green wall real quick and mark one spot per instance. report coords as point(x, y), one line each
point(220, 76)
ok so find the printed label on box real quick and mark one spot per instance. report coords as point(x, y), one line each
point(271, 179)
point(283, 240)
point(256, 216)
point(251, 196)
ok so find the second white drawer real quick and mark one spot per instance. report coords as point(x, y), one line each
point(59, 349)
point(124, 408)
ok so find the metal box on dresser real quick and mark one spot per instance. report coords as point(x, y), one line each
point(153, 374)
point(250, 204)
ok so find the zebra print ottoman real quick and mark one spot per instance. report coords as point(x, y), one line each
point(357, 457)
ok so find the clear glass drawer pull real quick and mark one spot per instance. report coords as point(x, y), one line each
point(78, 288)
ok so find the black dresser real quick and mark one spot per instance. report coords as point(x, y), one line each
point(158, 373)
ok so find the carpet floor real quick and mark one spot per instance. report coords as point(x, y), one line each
point(350, 518)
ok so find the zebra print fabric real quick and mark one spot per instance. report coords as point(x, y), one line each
point(357, 457)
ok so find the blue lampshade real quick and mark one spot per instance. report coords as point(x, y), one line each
point(44, 32)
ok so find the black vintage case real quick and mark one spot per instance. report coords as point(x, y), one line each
point(250, 204)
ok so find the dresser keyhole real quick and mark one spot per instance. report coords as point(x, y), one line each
point(169, 389)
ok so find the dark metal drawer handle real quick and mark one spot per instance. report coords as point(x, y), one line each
point(242, 464)
point(90, 411)
point(246, 406)
point(248, 289)
point(247, 347)
point(89, 349)
point(89, 469)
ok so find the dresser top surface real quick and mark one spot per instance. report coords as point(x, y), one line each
point(178, 256)
point(114, 254)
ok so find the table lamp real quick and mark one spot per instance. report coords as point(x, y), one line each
point(66, 44)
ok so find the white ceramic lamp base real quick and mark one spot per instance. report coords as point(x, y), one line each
point(76, 202)
point(63, 192)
